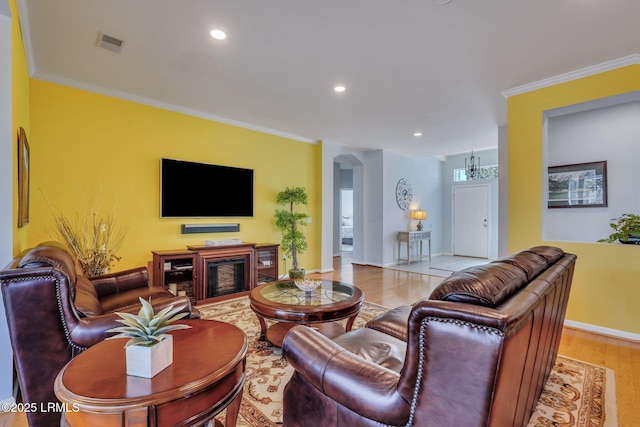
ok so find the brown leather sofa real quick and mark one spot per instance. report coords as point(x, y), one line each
point(476, 352)
point(54, 313)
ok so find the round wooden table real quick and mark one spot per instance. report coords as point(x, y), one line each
point(206, 376)
point(288, 306)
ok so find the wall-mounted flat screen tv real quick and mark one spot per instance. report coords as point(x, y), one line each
point(198, 190)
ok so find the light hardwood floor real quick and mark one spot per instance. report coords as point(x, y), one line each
point(392, 288)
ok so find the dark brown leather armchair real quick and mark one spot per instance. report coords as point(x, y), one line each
point(476, 353)
point(47, 329)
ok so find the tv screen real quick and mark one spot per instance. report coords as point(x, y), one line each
point(196, 190)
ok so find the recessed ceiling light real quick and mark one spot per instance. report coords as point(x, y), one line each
point(417, 134)
point(339, 88)
point(218, 34)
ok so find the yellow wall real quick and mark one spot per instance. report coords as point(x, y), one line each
point(20, 117)
point(605, 289)
point(99, 144)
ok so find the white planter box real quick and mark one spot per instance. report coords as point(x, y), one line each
point(146, 362)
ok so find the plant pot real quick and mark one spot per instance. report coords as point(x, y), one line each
point(146, 362)
point(296, 274)
point(631, 240)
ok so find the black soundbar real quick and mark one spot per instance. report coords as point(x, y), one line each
point(209, 228)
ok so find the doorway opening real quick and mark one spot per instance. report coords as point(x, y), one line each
point(346, 220)
point(348, 208)
point(470, 222)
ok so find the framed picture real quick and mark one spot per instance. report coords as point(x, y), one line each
point(23, 178)
point(582, 185)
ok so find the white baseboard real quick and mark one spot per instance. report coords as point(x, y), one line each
point(373, 264)
point(365, 264)
point(601, 330)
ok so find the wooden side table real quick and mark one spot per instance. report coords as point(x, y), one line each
point(207, 376)
point(410, 237)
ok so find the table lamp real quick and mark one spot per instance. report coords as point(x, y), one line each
point(419, 215)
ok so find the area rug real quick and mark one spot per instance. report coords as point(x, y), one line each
point(577, 393)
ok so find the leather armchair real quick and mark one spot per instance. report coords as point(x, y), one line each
point(47, 329)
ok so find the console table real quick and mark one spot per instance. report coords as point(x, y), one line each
point(410, 237)
point(209, 273)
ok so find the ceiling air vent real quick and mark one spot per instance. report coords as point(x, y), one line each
point(110, 43)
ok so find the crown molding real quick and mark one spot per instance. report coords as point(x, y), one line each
point(574, 75)
point(166, 106)
point(25, 32)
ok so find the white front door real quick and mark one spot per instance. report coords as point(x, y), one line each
point(471, 221)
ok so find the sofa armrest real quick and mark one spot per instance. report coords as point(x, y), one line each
point(392, 322)
point(121, 281)
point(353, 382)
point(88, 331)
point(182, 302)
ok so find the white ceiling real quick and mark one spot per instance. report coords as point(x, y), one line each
point(408, 65)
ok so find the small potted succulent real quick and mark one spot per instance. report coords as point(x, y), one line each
point(627, 229)
point(289, 221)
point(150, 348)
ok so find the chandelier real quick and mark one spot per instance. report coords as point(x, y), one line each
point(472, 167)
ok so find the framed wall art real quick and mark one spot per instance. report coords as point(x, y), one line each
point(23, 178)
point(582, 185)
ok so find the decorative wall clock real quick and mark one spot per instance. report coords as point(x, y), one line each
point(404, 194)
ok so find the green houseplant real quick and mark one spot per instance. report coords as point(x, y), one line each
point(150, 348)
point(627, 229)
point(289, 221)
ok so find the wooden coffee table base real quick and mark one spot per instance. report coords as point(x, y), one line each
point(276, 332)
point(283, 305)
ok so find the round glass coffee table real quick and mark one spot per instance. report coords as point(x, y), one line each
point(287, 306)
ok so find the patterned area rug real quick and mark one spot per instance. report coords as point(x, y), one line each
point(577, 393)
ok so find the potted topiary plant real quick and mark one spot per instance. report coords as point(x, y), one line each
point(150, 348)
point(288, 221)
point(627, 229)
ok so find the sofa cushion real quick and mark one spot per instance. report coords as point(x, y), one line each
point(375, 346)
point(86, 285)
point(488, 285)
point(50, 256)
point(87, 304)
point(549, 253)
point(128, 299)
point(530, 263)
point(392, 322)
